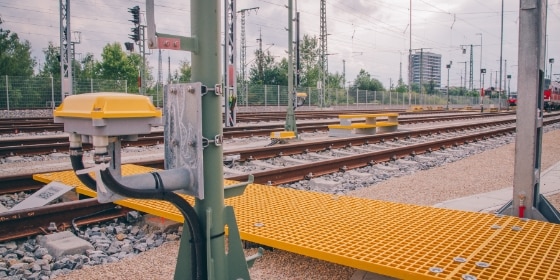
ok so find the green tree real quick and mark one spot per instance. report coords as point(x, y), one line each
point(88, 65)
point(15, 56)
point(364, 81)
point(309, 61)
point(401, 88)
point(116, 65)
point(273, 73)
point(52, 62)
point(184, 73)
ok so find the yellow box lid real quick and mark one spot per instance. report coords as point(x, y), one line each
point(104, 105)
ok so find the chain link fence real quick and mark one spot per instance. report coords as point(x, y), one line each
point(267, 95)
point(45, 92)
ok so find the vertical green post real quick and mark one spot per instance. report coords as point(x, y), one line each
point(205, 29)
point(290, 116)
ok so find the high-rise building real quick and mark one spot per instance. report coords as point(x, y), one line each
point(426, 67)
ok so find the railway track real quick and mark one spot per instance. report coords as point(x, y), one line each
point(280, 175)
point(41, 125)
point(56, 143)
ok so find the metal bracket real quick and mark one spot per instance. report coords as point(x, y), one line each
point(239, 188)
point(217, 89)
point(183, 127)
point(218, 140)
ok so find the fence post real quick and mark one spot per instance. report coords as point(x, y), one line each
point(278, 95)
point(90, 84)
point(7, 95)
point(308, 97)
point(347, 98)
point(357, 100)
point(125, 86)
point(52, 92)
point(265, 96)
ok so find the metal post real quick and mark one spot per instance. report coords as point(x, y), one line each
point(52, 93)
point(448, 68)
point(308, 97)
point(551, 60)
point(410, 53)
point(278, 95)
point(501, 51)
point(527, 202)
point(482, 72)
point(480, 75)
point(265, 96)
point(65, 49)
point(91, 84)
point(508, 90)
point(290, 115)
point(7, 95)
point(205, 27)
point(347, 97)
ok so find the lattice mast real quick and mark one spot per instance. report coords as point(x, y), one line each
point(65, 49)
point(324, 60)
point(244, 52)
point(230, 62)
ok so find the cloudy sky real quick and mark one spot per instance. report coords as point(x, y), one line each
point(368, 34)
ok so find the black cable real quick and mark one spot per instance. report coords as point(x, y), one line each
point(191, 218)
point(76, 158)
point(75, 226)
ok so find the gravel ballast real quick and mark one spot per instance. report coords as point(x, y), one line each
point(483, 172)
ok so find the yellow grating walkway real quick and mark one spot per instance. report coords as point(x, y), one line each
point(398, 240)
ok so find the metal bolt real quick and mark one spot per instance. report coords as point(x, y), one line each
point(52, 226)
point(259, 224)
point(436, 269)
point(459, 259)
point(516, 228)
point(482, 264)
point(495, 227)
point(190, 89)
point(468, 277)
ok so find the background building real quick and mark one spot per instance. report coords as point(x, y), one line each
point(426, 67)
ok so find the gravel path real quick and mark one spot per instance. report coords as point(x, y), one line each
point(487, 171)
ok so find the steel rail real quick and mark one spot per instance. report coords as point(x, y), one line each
point(56, 143)
point(30, 222)
point(307, 171)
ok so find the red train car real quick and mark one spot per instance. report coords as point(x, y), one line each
point(552, 96)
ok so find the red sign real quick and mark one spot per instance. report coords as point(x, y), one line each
point(482, 92)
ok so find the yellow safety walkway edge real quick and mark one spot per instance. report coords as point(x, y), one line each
point(394, 239)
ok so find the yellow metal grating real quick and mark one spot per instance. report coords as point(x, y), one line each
point(398, 240)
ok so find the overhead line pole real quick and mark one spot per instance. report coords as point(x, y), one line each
point(244, 53)
point(324, 59)
point(410, 55)
point(501, 51)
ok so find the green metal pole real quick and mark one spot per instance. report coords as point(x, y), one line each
point(290, 116)
point(205, 22)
